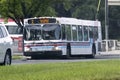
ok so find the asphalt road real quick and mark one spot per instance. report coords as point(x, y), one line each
point(74, 59)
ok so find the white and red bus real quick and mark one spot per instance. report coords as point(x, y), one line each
point(16, 35)
point(58, 36)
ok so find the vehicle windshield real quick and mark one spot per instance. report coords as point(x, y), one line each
point(13, 29)
point(45, 32)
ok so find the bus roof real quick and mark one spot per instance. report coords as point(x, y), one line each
point(71, 21)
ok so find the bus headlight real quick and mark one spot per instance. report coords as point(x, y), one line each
point(55, 48)
point(27, 49)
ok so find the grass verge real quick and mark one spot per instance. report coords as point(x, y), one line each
point(16, 57)
point(96, 70)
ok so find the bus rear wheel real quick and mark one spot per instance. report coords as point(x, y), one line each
point(68, 55)
point(93, 53)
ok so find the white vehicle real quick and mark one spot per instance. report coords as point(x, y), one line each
point(15, 34)
point(61, 36)
point(5, 46)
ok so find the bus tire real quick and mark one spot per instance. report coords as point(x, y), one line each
point(68, 55)
point(35, 57)
point(93, 51)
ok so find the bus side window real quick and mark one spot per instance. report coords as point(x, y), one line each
point(95, 33)
point(85, 28)
point(91, 31)
point(68, 32)
point(63, 32)
point(74, 32)
point(58, 32)
point(80, 33)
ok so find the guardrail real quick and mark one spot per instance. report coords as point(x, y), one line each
point(109, 45)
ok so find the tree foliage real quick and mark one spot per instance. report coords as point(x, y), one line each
point(20, 9)
point(114, 22)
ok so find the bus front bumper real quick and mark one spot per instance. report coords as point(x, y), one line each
point(44, 53)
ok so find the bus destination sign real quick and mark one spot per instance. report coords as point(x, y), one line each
point(41, 21)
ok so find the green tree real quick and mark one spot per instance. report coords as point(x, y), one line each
point(20, 9)
point(82, 9)
point(85, 9)
point(63, 7)
point(114, 22)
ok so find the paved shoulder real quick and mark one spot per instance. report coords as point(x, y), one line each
point(114, 52)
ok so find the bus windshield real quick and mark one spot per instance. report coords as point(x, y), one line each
point(45, 32)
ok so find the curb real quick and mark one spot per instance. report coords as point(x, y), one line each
point(115, 52)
